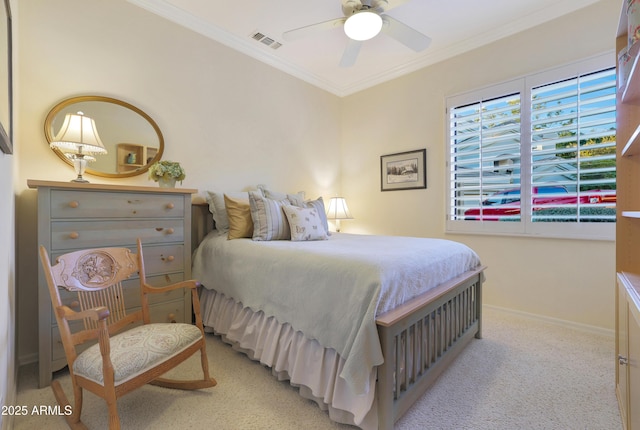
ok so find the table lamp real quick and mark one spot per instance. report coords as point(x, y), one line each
point(338, 210)
point(78, 139)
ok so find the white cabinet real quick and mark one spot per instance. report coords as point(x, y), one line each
point(628, 349)
point(76, 216)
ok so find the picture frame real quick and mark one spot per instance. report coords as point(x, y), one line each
point(6, 84)
point(403, 170)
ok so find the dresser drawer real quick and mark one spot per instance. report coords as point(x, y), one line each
point(163, 259)
point(168, 312)
point(157, 259)
point(86, 204)
point(91, 234)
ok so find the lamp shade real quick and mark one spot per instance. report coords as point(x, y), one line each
point(363, 25)
point(338, 209)
point(78, 134)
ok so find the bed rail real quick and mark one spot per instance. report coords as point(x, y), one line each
point(421, 338)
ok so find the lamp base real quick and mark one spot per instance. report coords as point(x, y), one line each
point(79, 164)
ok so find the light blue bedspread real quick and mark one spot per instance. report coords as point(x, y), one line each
point(331, 290)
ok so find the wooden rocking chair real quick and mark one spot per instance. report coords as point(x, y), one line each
point(121, 360)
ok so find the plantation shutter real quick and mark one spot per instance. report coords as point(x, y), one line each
point(485, 158)
point(573, 146)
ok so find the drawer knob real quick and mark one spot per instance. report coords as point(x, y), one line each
point(74, 204)
point(172, 318)
point(170, 205)
point(74, 304)
point(74, 235)
point(169, 258)
point(170, 231)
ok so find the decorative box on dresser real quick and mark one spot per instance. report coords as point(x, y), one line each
point(74, 216)
point(628, 232)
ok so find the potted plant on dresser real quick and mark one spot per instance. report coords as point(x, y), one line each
point(166, 173)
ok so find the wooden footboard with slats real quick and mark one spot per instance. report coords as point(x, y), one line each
point(421, 338)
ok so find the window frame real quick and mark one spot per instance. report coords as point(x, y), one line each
point(525, 227)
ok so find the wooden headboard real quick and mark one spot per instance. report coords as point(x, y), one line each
point(201, 223)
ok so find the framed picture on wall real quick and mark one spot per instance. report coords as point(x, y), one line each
point(404, 170)
point(6, 102)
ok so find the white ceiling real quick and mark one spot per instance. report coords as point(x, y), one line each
point(455, 27)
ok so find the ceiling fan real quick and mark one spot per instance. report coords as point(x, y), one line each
point(363, 20)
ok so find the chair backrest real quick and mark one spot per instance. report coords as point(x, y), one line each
point(96, 276)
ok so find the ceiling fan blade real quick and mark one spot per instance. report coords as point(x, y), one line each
point(404, 34)
point(386, 5)
point(312, 29)
point(350, 53)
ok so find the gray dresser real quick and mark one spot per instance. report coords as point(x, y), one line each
point(75, 216)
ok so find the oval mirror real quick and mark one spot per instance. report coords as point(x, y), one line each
point(132, 139)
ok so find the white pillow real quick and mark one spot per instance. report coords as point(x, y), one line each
point(305, 223)
point(277, 195)
point(269, 221)
point(219, 210)
point(317, 204)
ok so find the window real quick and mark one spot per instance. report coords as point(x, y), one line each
point(536, 156)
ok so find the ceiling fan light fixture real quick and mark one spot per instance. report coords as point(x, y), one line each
point(363, 25)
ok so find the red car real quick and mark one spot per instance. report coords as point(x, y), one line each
point(506, 204)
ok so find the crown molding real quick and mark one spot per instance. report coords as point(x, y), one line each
point(172, 13)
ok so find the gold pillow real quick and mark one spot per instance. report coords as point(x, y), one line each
point(239, 214)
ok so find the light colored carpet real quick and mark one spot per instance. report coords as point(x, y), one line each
point(523, 374)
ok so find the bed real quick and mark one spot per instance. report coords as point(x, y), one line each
point(361, 333)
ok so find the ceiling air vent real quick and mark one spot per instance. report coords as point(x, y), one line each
point(264, 39)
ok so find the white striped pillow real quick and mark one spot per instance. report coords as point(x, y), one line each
point(269, 221)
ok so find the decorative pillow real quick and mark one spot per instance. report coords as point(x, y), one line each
point(269, 221)
point(218, 209)
point(277, 195)
point(317, 204)
point(239, 215)
point(305, 223)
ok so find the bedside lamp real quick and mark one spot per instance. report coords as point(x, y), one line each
point(338, 210)
point(78, 139)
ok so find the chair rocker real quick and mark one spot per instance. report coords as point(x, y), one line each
point(121, 360)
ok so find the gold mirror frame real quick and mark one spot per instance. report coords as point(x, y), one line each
point(65, 104)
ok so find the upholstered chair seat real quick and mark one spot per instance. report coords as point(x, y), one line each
point(137, 350)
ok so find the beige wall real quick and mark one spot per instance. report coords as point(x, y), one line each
point(231, 121)
point(563, 279)
point(234, 122)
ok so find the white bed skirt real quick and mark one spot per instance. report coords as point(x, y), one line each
point(291, 356)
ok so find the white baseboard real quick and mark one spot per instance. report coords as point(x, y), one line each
point(610, 333)
point(27, 359)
